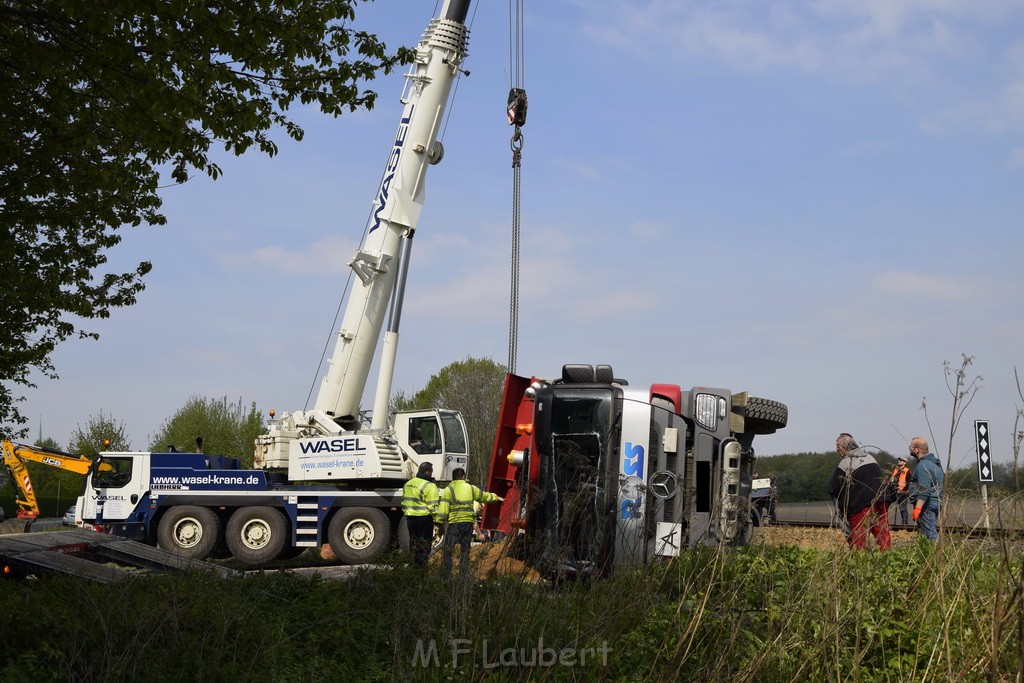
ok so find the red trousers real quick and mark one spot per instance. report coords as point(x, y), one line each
point(877, 518)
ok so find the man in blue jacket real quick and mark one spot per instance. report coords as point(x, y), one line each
point(928, 478)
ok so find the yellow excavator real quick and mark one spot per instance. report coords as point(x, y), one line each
point(16, 457)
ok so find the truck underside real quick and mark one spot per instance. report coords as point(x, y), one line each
point(597, 474)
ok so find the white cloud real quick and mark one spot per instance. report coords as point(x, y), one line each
point(1015, 158)
point(559, 278)
point(576, 167)
point(647, 230)
point(868, 148)
point(849, 40)
point(328, 255)
point(923, 285)
point(1002, 112)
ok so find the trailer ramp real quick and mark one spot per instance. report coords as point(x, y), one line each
point(94, 556)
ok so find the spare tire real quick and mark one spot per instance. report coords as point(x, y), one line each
point(764, 416)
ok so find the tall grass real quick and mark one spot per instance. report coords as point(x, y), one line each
point(950, 611)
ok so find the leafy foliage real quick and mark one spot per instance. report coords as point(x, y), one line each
point(473, 387)
point(99, 98)
point(47, 442)
point(101, 433)
point(226, 428)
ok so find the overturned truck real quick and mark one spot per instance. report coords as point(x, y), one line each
point(597, 474)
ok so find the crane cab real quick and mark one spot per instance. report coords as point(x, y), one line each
point(435, 436)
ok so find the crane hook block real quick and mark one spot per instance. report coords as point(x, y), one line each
point(517, 107)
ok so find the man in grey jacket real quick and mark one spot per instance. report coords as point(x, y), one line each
point(927, 492)
point(855, 485)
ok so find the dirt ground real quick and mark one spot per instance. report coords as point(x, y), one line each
point(805, 537)
point(494, 559)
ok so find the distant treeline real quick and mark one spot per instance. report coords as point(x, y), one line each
point(802, 477)
point(799, 478)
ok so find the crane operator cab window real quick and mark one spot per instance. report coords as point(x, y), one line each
point(113, 473)
point(425, 435)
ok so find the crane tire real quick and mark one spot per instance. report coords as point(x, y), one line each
point(359, 535)
point(257, 535)
point(190, 531)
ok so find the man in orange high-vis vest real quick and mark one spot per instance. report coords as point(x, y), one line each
point(900, 481)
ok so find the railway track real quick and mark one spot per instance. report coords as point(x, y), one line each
point(963, 518)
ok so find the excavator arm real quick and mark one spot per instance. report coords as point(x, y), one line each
point(16, 459)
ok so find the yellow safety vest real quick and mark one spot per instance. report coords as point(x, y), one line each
point(419, 497)
point(456, 502)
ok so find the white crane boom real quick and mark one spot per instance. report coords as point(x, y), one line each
point(380, 265)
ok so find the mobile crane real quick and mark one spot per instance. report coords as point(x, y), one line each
point(329, 442)
point(194, 503)
point(597, 474)
point(16, 457)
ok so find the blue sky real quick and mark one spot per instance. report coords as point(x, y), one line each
point(818, 202)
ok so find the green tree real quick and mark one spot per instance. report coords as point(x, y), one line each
point(100, 98)
point(473, 387)
point(226, 428)
point(47, 443)
point(101, 433)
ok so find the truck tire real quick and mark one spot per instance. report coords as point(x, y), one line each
point(359, 535)
point(765, 416)
point(190, 531)
point(257, 535)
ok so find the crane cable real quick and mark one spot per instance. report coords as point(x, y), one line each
point(516, 111)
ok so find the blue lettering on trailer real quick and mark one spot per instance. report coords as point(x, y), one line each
point(389, 171)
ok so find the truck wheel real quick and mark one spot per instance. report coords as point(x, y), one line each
point(189, 530)
point(359, 535)
point(257, 535)
point(765, 416)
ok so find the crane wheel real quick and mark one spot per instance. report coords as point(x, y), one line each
point(190, 531)
point(359, 535)
point(257, 535)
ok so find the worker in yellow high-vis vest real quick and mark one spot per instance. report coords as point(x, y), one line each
point(419, 502)
point(455, 511)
